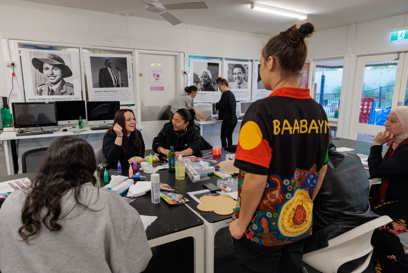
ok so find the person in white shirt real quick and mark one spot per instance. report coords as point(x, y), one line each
point(186, 101)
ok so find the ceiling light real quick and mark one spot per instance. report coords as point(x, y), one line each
point(266, 7)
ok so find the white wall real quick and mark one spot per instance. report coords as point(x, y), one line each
point(37, 22)
point(46, 23)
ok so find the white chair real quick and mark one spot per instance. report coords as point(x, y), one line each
point(351, 245)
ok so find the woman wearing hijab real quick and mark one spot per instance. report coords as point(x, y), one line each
point(391, 198)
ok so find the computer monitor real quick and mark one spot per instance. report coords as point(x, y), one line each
point(34, 114)
point(204, 108)
point(70, 111)
point(214, 112)
point(102, 110)
point(244, 107)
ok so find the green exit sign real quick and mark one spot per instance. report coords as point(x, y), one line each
point(399, 35)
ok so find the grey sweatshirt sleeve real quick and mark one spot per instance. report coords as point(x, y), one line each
point(127, 248)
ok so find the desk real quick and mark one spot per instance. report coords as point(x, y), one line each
point(360, 147)
point(11, 155)
point(172, 224)
point(211, 131)
point(212, 221)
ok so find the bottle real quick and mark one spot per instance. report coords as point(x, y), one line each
point(155, 191)
point(119, 168)
point(180, 168)
point(137, 177)
point(80, 123)
point(171, 157)
point(105, 177)
point(130, 171)
point(6, 117)
point(134, 166)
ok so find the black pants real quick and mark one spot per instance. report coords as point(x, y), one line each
point(227, 129)
point(254, 258)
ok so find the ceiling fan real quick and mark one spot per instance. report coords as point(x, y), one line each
point(163, 9)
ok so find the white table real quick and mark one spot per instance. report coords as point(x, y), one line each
point(6, 137)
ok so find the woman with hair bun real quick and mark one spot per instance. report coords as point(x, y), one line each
point(282, 154)
point(186, 101)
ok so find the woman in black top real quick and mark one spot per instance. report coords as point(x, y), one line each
point(391, 198)
point(123, 141)
point(181, 133)
point(227, 113)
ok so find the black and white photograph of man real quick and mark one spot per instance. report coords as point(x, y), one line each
point(109, 72)
point(52, 79)
point(238, 76)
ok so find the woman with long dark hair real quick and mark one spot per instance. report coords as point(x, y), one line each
point(63, 223)
point(123, 141)
point(181, 133)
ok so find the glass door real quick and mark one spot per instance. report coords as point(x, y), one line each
point(327, 85)
point(376, 91)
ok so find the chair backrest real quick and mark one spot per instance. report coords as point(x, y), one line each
point(31, 160)
point(351, 245)
point(100, 157)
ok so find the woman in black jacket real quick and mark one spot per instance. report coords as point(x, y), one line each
point(123, 141)
point(180, 133)
point(391, 198)
point(227, 113)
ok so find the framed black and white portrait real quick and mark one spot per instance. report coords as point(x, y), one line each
point(108, 76)
point(238, 75)
point(258, 89)
point(51, 74)
point(203, 74)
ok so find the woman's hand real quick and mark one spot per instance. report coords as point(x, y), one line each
point(383, 137)
point(138, 159)
point(118, 130)
point(163, 151)
point(236, 229)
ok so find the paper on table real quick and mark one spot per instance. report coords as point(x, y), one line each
point(5, 188)
point(233, 194)
point(344, 149)
point(16, 184)
point(139, 189)
point(364, 159)
point(116, 180)
point(147, 220)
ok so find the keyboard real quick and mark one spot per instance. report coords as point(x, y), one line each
point(31, 133)
point(103, 127)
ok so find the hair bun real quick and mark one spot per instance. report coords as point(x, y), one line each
point(306, 29)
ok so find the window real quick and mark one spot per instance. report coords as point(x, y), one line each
point(328, 76)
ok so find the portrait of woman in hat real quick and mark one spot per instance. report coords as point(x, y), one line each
point(54, 70)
